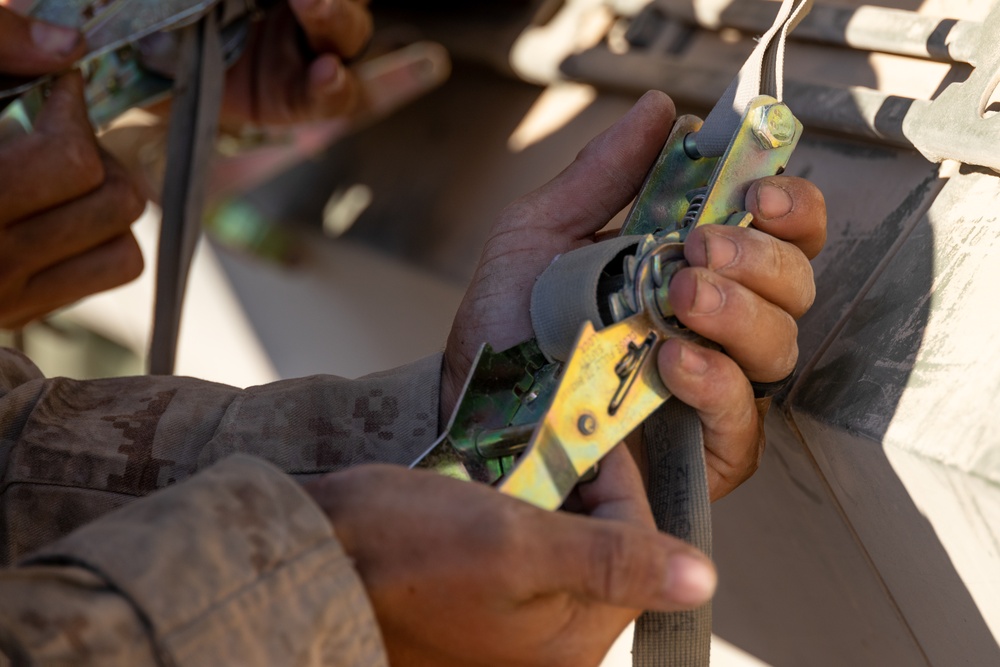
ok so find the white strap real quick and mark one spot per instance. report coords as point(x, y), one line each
point(762, 74)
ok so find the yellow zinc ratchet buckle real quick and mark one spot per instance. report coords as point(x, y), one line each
point(534, 425)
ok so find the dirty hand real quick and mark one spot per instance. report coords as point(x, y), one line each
point(744, 289)
point(280, 80)
point(65, 206)
point(460, 574)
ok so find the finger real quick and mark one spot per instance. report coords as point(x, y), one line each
point(716, 388)
point(773, 269)
point(615, 563)
point(618, 491)
point(115, 263)
point(71, 229)
point(791, 209)
point(57, 162)
point(394, 79)
point(604, 177)
point(758, 335)
point(341, 27)
point(31, 48)
point(333, 90)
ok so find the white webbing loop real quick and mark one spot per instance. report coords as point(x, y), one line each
point(762, 74)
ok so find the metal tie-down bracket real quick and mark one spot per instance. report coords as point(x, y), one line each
point(959, 124)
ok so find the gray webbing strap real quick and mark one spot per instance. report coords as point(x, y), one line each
point(762, 74)
point(678, 496)
point(194, 120)
point(678, 481)
point(566, 294)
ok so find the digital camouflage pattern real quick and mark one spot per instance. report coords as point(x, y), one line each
point(234, 563)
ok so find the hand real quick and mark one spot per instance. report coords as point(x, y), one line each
point(459, 574)
point(744, 290)
point(277, 82)
point(65, 206)
point(763, 289)
point(33, 48)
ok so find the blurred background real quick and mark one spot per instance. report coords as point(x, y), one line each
point(346, 250)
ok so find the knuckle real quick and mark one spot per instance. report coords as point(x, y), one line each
point(813, 214)
point(500, 542)
point(792, 269)
point(807, 292)
point(594, 147)
point(82, 160)
point(787, 361)
point(758, 450)
point(753, 457)
point(776, 258)
point(505, 536)
point(615, 571)
point(740, 466)
point(130, 260)
point(732, 475)
point(817, 199)
point(514, 216)
point(776, 354)
point(362, 34)
point(353, 23)
point(123, 192)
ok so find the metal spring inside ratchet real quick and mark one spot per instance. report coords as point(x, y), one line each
point(697, 201)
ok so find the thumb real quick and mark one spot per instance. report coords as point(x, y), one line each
point(30, 48)
point(621, 565)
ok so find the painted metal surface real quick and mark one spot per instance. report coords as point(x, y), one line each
point(899, 412)
point(956, 124)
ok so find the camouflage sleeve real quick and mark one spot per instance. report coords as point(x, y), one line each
point(71, 451)
point(236, 566)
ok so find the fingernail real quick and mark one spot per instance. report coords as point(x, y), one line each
point(54, 39)
point(690, 580)
point(328, 74)
point(721, 251)
point(772, 202)
point(708, 298)
point(691, 359)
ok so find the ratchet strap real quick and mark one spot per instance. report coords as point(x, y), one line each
point(568, 294)
point(678, 483)
point(678, 496)
point(194, 120)
point(762, 74)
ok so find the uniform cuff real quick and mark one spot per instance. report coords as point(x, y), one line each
point(237, 565)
